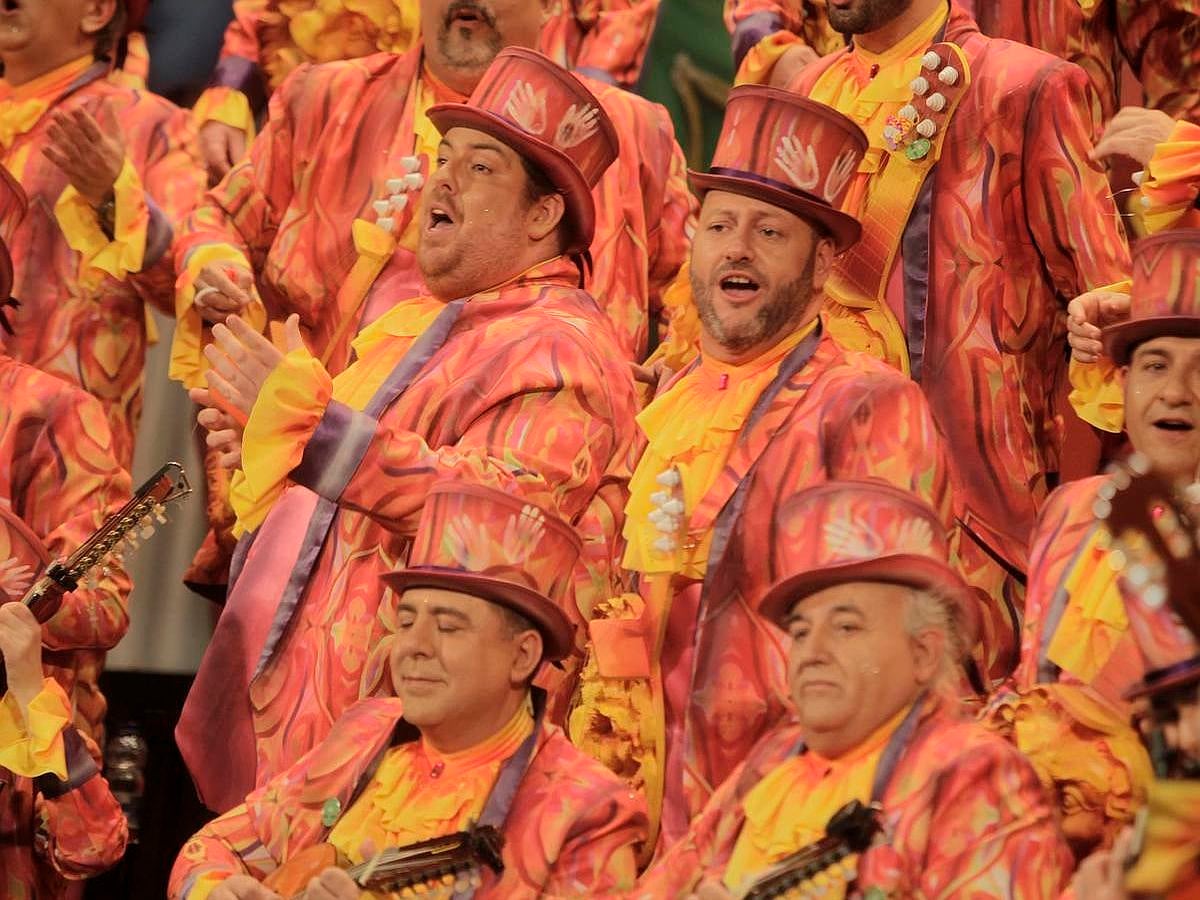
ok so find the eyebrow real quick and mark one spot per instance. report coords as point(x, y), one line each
point(405, 606)
point(840, 608)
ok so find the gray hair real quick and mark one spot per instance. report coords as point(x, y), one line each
point(931, 609)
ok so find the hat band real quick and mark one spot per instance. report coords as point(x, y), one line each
point(1156, 676)
point(769, 182)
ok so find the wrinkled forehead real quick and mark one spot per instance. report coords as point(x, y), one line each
point(870, 601)
point(743, 206)
point(459, 141)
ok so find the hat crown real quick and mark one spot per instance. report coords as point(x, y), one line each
point(545, 101)
point(1166, 275)
point(790, 142)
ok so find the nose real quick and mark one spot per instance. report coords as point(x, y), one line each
point(810, 649)
point(1176, 389)
point(738, 247)
point(1187, 730)
point(418, 638)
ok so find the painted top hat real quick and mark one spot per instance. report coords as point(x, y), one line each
point(548, 116)
point(791, 152)
point(844, 531)
point(495, 546)
point(1165, 299)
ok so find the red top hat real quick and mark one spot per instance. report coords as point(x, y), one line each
point(844, 531)
point(1165, 299)
point(135, 15)
point(492, 545)
point(547, 115)
point(788, 151)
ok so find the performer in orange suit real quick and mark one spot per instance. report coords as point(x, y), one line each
point(772, 405)
point(463, 740)
point(267, 39)
point(508, 374)
point(879, 622)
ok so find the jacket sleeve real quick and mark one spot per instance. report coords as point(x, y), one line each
point(598, 856)
point(64, 489)
point(1158, 37)
point(1068, 202)
point(80, 827)
point(616, 38)
point(761, 31)
point(227, 846)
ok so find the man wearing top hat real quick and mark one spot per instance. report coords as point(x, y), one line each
point(464, 739)
point(506, 374)
point(773, 405)
point(879, 623)
point(1077, 633)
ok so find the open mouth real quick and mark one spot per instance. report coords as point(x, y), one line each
point(1173, 424)
point(439, 219)
point(738, 286)
point(10, 6)
point(467, 12)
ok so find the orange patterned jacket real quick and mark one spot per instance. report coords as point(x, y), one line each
point(570, 832)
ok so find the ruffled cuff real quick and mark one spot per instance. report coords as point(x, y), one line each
point(760, 61)
point(1096, 394)
point(188, 364)
point(285, 415)
point(226, 105)
point(33, 745)
point(1172, 180)
point(80, 225)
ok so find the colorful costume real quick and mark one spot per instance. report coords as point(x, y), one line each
point(59, 821)
point(964, 815)
point(58, 483)
point(570, 832)
point(521, 386)
point(83, 295)
point(1153, 36)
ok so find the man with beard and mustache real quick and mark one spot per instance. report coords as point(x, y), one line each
point(316, 220)
point(771, 406)
point(268, 39)
point(983, 217)
point(506, 374)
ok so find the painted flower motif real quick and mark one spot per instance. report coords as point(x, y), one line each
point(843, 168)
point(527, 107)
point(577, 125)
point(799, 162)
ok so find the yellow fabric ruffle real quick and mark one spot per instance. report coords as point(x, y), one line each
point(407, 802)
point(226, 105)
point(791, 806)
point(692, 428)
point(1094, 620)
point(80, 225)
point(334, 29)
point(759, 62)
point(1096, 394)
point(17, 118)
point(284, 417)
point(32, 744)
point(1172, 181)
point(23, 106)
point(682, 344)
point(188, 363)
point(1171, 847)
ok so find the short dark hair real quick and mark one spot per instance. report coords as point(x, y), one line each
point(108, 38)
point(516, 622)
point(539, 185)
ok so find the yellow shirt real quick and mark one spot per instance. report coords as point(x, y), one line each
point(692, 428)
point(791, 806)
point(417, 794)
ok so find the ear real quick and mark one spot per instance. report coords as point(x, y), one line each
point(544, 215)
point(96, 16)
point(929, 647)
point(824, 256)
point(527, 656)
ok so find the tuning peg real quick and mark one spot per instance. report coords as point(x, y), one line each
point(146, 531)
point(160, 513)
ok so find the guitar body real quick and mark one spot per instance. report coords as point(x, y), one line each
point(293, 876)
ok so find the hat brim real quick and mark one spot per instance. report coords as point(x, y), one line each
point(914, 571)
point(844, 228)
point(1120, 339)
point(558, 167)
point(1178, 677)
point(551, 622)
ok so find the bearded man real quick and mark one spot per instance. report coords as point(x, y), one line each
point(772, 405)
point(506, 375)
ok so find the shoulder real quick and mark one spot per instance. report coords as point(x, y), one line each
point(347, 79)
point(849, 373)
point(568, 776)
point(628, 110)
point(1071, 502)
point(1014, 70)
point(950, 747)
point(46, 396)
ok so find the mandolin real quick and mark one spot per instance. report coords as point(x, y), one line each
point(442, 867)
point(121, 532)
point(809, 871)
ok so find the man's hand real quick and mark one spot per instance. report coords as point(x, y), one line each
point(242, 887)
point(21, 646)
point(90, 156)
point(1102, 875)
point(15, 579)
point(792, 63)
point(221, 146)
point(1087, 316)
point(1134, 132)
point(332, 884)
point(224, 431)
point(222, 290)
point(242, 360)
point(711, 890)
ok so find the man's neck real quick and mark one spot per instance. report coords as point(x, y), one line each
point(900, 27)
point(711, 348)
point(26, 66)
point(458, 737)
